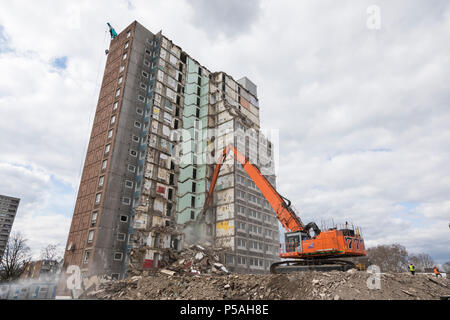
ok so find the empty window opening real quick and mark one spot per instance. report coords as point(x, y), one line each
point(129, 184)
point(101, 181)
point(91, 236)
point(86, 256)
point(94, 218)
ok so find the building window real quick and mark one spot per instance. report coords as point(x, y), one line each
point(137, 124)
point(128, 34)
point(131, 168)
point(107, 148)
point(123, 218)
point(98, 197)
point(120, 80)
point(143, 86)
point(126, 200)
point(104, 164)
point(133, 153)
point(192, 215)
point(241, 243)
point(118, 256)
point(144, 74)
point(101, 181)
point(168, 209)
point(116, 104)
point(117, 92)
point(121, 68)
point(121, 236)
point(86, 256)
point(124, 56)
point(126, 45)
point(128, 184)
point(146, 62)
point(91, 236)
point(135, 138)
point(110, 133)
point(94, 218)
point(113, 119)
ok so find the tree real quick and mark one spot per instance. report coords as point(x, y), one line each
point(51, 252)
point(390, 258)
point(446, 266)
point(16, 257)
point(422, 261)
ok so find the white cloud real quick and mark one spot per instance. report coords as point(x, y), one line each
point(363, 114)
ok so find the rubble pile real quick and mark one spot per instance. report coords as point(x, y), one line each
point(298, 286)
point(197, 260)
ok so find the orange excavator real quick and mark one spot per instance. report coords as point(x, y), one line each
point(306, 246)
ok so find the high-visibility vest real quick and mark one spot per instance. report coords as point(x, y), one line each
point(411, 268)
point(436, 271)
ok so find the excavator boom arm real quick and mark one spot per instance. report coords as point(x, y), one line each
point(285, 214)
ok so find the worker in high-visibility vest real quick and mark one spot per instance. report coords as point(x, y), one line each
point(412, 269)
point(436, 272)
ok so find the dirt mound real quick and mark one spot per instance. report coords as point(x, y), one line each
point(303, 285)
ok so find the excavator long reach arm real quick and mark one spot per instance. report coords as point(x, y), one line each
point(310, 252)
point(287, 217)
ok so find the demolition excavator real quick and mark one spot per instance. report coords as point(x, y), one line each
point(306, 247)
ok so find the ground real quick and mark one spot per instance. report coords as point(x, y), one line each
point(350, 285)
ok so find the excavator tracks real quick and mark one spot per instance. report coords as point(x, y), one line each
point(311, 265)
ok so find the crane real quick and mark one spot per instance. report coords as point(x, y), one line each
point(306, 245)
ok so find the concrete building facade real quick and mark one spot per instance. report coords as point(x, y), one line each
point(8, 211)
point(161, 120)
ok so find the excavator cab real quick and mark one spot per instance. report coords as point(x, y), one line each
point(293, 240)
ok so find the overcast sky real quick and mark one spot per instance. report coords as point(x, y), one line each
point(362, 104)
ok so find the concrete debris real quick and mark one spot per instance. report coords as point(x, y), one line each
point(202, 284)
point(168, 272)
point(196, 260)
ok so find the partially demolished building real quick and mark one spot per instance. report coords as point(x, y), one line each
point(161, 121)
